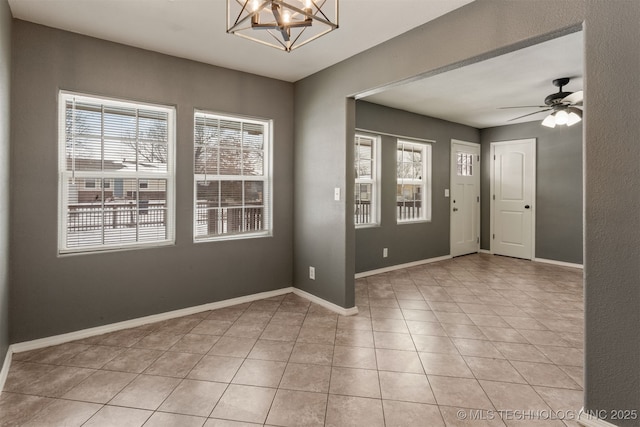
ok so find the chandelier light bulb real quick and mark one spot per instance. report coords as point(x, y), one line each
point(254, 5)
point(286, 17)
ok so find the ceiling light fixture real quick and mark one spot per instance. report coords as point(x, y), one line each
point(283, 24)
point(563, 116)
point(565, 106)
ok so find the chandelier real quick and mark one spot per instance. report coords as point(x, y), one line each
point(283, 24)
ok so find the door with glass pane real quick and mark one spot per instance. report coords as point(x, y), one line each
point(465, 198)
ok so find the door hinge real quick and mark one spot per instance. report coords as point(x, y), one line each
point(494, 237)
point(478, 199)
point(494, 197)
point(478, 240)
point(478, 158)
point(494, 157)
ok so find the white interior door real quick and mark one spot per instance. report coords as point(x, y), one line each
point(513, 197)
point(465, 198)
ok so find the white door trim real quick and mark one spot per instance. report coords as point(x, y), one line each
point(533, 142)
point(452, 175)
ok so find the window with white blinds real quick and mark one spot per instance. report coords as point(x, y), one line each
point(413, 192)
point(116, 172)
point(366, 180)
point(232, 177)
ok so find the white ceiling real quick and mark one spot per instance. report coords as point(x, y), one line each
point(473, 95)
point(196, 29)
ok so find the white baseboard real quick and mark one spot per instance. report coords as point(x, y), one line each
point(99, 330)
point(5, 368)
point(560, 263)
point(586, 420)
point(484, 251)
point(113, 327)
point(401, 266)
point(326, 304)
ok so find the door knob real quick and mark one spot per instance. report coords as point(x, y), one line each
point(455, 209)
point(527, 206)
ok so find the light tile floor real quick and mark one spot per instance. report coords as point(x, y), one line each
point(433, 345)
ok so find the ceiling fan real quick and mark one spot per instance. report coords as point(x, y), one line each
point(563, 104)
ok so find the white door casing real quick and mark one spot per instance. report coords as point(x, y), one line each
point(465, 198)
point(512, 198)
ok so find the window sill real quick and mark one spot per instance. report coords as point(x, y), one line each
point(224, 238)
point(417, 221)
point(122, 248)
point(362, 226)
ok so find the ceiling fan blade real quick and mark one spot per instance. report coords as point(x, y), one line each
point(530, 114)
point(574, 98)
point(524, 106)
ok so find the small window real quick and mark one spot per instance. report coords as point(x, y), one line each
point(465, 164)
point(413, 198)
point(366, 180)
point(232, 179)
point(106, 148)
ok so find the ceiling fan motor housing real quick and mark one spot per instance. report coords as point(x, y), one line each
point(556, 98)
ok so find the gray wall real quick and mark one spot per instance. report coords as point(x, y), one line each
point(53, 295)
point(612, 206)
point(325, 119)
point(558, 205)
point(408, 242)
point(5, 84)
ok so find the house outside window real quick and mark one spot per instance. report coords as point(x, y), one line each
point(232, 177)
point(413, 194)
point(366, 209)
point(106, 147)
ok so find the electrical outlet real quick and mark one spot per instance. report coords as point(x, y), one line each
point(385, 252)
point(312, 273)
point(336, 194)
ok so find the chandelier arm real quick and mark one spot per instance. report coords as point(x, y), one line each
point(239, 22)
point(324, 20)
point(293, 43)
point(284, 31)
point(320, 10)
point(284, 46)
point(312, 38)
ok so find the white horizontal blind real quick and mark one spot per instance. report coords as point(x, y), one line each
point(232, 183)
point(116, 173)
point(413, 172)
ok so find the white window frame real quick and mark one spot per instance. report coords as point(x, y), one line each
point(424, 183)
point(64, 175)
point(374, 180)
point(267, 179)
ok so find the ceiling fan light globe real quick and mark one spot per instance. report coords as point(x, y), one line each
point(562, 117)
point(573, 119)
point(549, 121)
